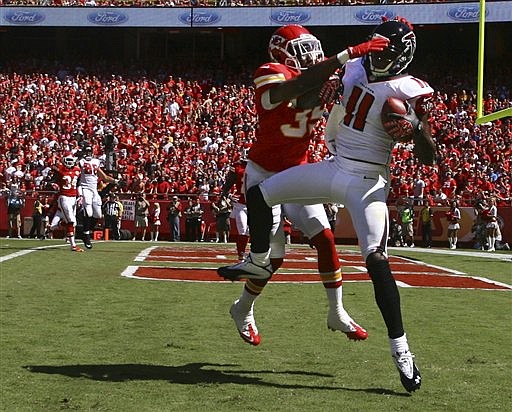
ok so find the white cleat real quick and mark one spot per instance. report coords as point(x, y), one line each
point(245, 324)
point(346, 325)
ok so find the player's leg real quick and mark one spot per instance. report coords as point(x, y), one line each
point(240, 212)
point(68, 206)
point(313, 223)
point(366, 203)
point(242, 310)
point(265, 220)
point(284, 187)
point(88, 219)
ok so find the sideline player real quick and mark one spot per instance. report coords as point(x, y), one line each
point(288, 107)
point(235, 177)
point(90, 172)
point(358, 175)
point(68, 175)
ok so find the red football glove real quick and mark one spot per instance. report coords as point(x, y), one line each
point(402, 126)
point(328, 90)
point(376, 44)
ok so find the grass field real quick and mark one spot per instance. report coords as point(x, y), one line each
point(75, 335)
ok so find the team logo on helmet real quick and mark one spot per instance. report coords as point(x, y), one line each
point(396, 57)
point(295, 47)
point(69, 160)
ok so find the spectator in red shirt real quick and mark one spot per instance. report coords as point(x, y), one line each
point(449, 186)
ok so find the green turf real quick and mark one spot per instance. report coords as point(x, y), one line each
point(77, 336)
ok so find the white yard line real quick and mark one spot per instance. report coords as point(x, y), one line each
point(26, 251)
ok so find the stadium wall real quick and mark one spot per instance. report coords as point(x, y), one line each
point(217, 17)
point(345, 233)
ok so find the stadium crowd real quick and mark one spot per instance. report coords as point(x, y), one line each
point(178, 134)
point(211, 3)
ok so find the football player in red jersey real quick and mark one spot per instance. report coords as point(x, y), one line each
point(358, 175)
point(68, 175)
point(288, 107)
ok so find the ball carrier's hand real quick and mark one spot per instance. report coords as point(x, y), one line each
point(403, 126)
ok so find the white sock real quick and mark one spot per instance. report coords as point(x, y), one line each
point(399, 344)
point(261, 259)
point(335, 298)
point(335, 295)
point(246, 300)
point(455, 241)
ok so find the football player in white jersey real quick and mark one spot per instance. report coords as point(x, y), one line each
point(288, 106)
point(358, 175)
point(90, 172)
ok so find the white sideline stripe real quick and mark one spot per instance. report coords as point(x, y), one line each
point(459, 252)
point(27, 251)
point(16, 254)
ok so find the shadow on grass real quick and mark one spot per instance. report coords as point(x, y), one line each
point(189, 374)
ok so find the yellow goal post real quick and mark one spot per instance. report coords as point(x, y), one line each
point(480, 86)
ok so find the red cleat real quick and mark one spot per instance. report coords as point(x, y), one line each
point(346, 325)
point(245, 324)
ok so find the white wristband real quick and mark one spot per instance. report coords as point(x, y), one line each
point(343, 57)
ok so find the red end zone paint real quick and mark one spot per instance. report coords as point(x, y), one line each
point(298, 263)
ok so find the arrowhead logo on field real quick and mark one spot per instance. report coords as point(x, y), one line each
point(199, 263)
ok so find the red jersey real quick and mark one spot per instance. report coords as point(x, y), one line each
point(68, 180)
point(239, 169)
point(283, 133)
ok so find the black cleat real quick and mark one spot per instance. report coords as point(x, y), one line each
point(87, 240)
point(409, 373)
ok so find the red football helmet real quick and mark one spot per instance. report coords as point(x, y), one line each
point(69, 160)
point(295, 47)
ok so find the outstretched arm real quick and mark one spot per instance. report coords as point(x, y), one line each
point(105, 177)
point(314, 77)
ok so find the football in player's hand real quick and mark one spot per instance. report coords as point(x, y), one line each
point(392, 111)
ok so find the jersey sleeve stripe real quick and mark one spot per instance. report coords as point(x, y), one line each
point(269, 79)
